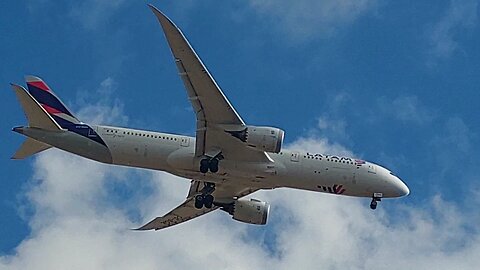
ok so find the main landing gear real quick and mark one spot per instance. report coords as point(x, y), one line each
point(209, 164)
point(376, 197)
point(205, 197)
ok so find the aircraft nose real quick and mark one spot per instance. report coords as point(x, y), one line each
point(400, 187)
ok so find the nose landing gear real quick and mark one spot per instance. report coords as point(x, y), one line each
point(376, 197)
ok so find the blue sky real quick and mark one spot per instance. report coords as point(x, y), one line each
point(392, 82)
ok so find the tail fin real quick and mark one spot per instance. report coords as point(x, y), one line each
point(30, 147)
point(50, 102)
point(37, 116)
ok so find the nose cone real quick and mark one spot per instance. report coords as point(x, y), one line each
point(400, 188)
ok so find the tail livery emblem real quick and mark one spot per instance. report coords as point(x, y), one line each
point(38, 83)
point(58, 111)
point(50, 102)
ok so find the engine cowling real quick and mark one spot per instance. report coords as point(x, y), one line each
point(268, 139)
point(249, 211)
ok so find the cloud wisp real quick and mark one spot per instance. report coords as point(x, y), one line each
point(90, 14)
point(408, 109)
point(93, 13)
point(460, 16)
point(102, 107)
point(307, 19)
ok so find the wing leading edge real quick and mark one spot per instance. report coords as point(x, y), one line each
point(209, 103)
point(212, 109)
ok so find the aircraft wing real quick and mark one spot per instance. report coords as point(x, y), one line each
point(213, 110)
point(224, 193)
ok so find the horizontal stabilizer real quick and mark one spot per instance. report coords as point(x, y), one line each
point(36, 115)
point(30, 147)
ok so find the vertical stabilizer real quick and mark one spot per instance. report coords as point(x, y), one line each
point(50, 102)
point(36, 115)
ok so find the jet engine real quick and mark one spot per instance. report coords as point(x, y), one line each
point(249, 211)
point(268, 139)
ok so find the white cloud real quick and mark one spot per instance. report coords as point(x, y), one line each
point(461, 15)
point(102, 107)
point(306, 19)
point(334, 127)
point(331, 123)
point(77, 225)
point(319, 145)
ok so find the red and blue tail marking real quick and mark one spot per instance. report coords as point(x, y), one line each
point(59, 112)
point(50, 102)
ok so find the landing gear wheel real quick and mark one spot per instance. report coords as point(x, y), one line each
point(199, 201)
point(204, 165)
point(376, 197)
point(373, 205)
point(209, 164)
point(214, 165)
point(208, 201)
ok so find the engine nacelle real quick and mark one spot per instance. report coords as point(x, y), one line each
point(249, 211)
point(268, 139)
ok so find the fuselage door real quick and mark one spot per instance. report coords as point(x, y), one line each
point(295, 157)
point(185, 141)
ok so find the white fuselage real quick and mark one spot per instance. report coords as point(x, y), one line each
point(175, 154)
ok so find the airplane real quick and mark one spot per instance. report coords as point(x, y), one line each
point(225, 161)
